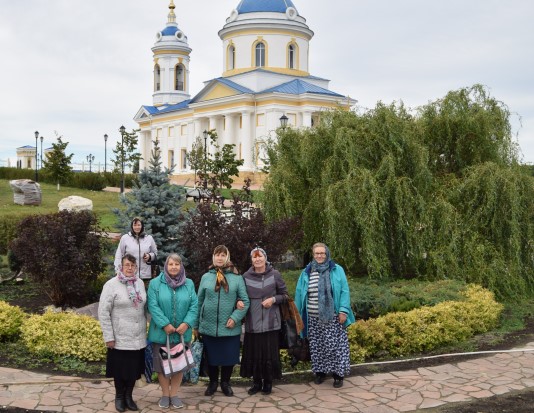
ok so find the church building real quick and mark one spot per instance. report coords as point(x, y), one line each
point(266, 78)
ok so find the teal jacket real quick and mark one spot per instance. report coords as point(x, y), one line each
point(168, 306)
point(217, 307)
point(340, 292)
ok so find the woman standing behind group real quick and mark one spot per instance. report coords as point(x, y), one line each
point(121, 313)
point(261, 355)
point(141, 246)
point(323, 299)
point(173, 306)
point(219, 320)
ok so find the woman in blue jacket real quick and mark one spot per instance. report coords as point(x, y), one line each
point(322, 297)
point(173, 306)
point(219, 320)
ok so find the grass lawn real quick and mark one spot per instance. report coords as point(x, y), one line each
point(103, 202)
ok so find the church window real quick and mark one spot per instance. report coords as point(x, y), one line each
point(179, 78)
point(291, 56)
point(157, 78)
point(260, 55)
point(231, 57)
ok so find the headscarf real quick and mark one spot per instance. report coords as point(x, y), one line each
point(177, 281)
point(141, 233)
point(221, 278)
point(131, 287)
point(262, 251)
point(326, 300)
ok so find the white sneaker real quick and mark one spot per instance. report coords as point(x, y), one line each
point(164, 402)
point(176, 402)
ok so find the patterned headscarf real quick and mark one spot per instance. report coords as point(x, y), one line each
point(179, 280)
point(221, 278)
point(131, 286)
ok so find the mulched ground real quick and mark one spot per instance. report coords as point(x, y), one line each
point(516, 402)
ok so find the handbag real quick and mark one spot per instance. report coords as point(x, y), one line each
point(176, 359)
point(191, 376)
point(300, 352)
point(149, 362)
point(288, 334)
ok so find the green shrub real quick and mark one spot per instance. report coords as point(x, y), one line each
point(87, 180)
point(15, 173)
point(426, 328)
point(8, 230)
point(11, 318)
point(64, 334)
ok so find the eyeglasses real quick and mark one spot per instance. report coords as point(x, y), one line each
point(129, 266)
point(319, 254)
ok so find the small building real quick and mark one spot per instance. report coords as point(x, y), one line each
point(26, 157)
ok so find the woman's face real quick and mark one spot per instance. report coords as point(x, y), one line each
point(258, 260)
point(137, 227)
point(173, 267)
point(128, 268)
point(219, 259)
point(319, 253)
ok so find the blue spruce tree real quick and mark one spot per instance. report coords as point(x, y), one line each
point(158, 203)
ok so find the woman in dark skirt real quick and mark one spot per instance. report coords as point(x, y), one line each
point(121, 313)
point(219, 320)
point(266, 290)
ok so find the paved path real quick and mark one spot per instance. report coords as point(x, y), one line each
point(400, 391)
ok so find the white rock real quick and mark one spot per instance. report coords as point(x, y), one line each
point(75, 203)
point(26, 192)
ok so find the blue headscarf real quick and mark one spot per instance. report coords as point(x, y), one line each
point(326, 300)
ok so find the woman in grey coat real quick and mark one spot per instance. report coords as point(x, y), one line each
point(261, 356)
point(122, 317)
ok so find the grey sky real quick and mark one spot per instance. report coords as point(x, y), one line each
point(83, 68)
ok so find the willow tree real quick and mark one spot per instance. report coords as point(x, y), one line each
point(392, 202)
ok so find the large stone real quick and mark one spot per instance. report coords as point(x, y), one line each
point(26, 192)
point(75, 203)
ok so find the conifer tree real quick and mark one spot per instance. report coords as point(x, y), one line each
point(158, 203)
point(57, 162)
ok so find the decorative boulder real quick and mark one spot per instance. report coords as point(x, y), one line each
point(75, 203)
point(26, 192)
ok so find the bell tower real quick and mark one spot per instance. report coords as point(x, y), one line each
point(171, 63)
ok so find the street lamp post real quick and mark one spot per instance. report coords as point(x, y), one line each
point(283, 121)
point(122, 129)
point(205, 133)
point(42, 151)
point(105, 152)
point(90, 159)
point(36, 173)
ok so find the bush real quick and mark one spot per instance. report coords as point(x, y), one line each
point(87, 180)
point(11, 318)
point(427, 328)
point(62, 252)
point(8, 230)
point(64, 334)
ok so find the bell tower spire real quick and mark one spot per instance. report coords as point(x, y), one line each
point(171, 63)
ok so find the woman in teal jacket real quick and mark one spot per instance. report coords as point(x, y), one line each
point(219, 320)
point(322, 297)
point(173, 306)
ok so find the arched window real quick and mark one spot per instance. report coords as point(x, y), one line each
point(260, 55)
point(179, 77)
point(291, 56)
point(157, 78)
point(231, 57)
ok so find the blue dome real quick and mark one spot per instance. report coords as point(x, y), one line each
point(169, 31)
point(253, 6)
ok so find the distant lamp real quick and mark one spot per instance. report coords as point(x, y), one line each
point(105, 153)
point(36, 173)
point(42, 151)
point(122, 130)
point(283, 121)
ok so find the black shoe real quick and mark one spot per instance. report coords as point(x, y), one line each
point(338, 382)
point(128, 400)
point(256, 387)
point(319, 378)
point(212, 388)
point(119, 404)
point(227, 389)
point(267, 388)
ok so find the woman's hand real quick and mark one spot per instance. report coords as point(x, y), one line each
point(169, 329)
point(240, 305)
point(230, 323)
point(196, 333)
point(268, 302)
point(110, 344)
point(342, 318)
point(182, 328)
point(146, 257)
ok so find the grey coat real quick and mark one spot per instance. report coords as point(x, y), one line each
point(119, 319)
point(259, 287)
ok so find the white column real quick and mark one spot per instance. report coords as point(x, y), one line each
point(247, 137)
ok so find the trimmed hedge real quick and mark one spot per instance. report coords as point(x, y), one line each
point(8, 230)
point(64, 334)
point(11, 319)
